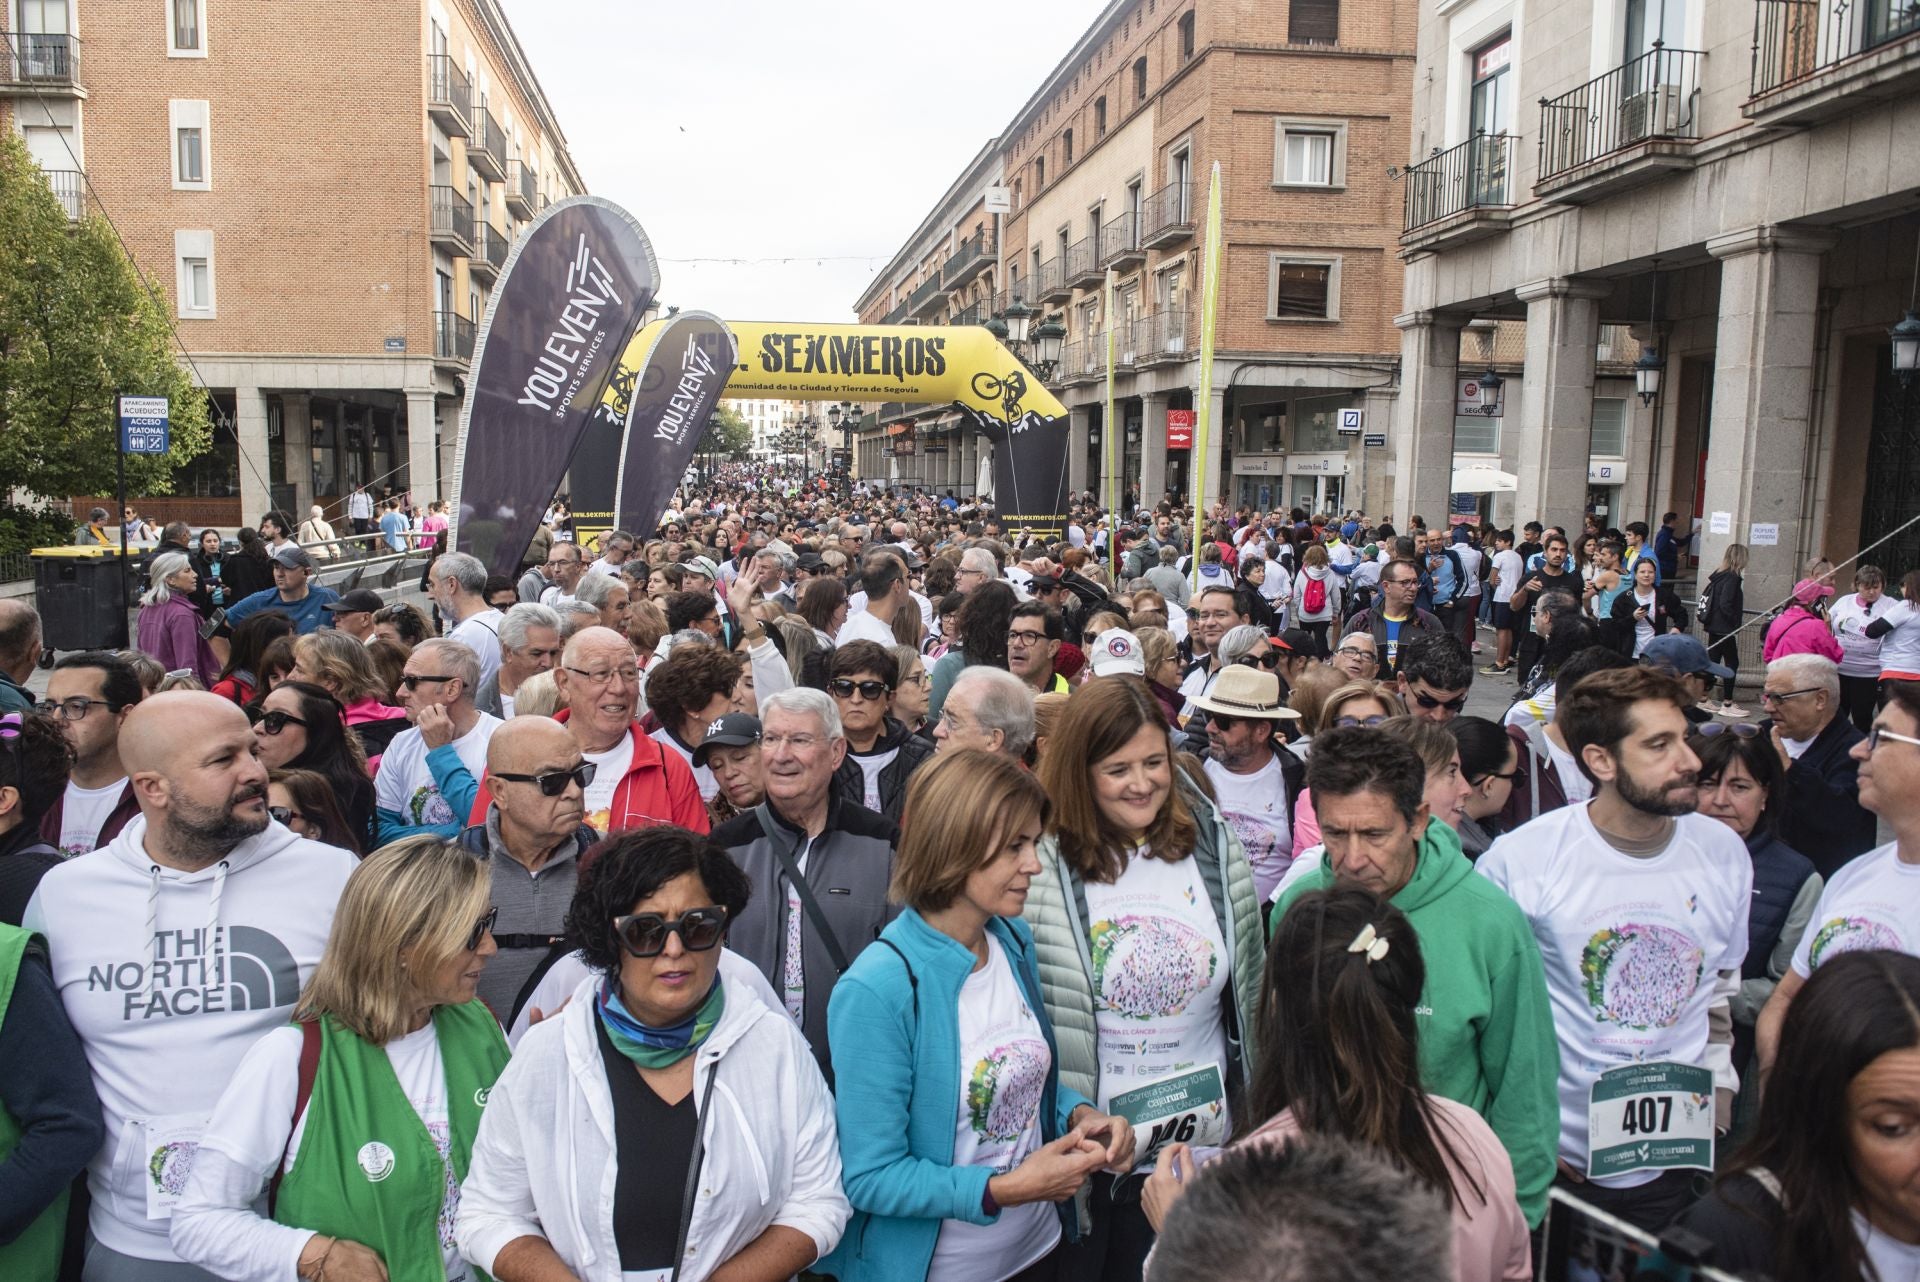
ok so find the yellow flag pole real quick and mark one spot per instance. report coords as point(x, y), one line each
point(1106, 452)
point(1204, 426)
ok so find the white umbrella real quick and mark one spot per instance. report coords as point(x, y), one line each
point(1484, 480)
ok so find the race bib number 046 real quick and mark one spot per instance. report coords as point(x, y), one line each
point(1185, 1108)
point(1650, 1117)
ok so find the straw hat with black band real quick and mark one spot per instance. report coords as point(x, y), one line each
point(1241, 691)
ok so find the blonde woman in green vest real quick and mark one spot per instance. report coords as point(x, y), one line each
point(356, 1121)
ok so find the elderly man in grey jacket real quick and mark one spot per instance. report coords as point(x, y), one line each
point(530, 643)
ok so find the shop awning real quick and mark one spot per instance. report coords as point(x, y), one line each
point(1484, 480)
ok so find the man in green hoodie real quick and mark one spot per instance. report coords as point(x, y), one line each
point(1486, 1029)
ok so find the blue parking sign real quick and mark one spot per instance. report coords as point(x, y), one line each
point(143, 424)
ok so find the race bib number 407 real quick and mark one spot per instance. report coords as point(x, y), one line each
point(1650, 1117)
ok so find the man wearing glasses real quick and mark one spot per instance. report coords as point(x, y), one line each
point(1809, 729)
point(532, 838)
point(637, 781)
point(881, 753)
point(1868, 903)
point(562, 571)
point(1257, 780)
point(1394, 620)
point(91, 693)
point(427, 778)
point(1034, 635)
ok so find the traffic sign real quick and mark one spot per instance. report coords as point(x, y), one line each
point(1374, 440)
point(143, 424)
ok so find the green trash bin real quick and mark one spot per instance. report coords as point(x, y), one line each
point(81, 595)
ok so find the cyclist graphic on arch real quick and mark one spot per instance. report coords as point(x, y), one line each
point(1011, 390)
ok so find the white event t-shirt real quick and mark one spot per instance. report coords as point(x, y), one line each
point(1255, 807)
point(871, 764)
point(702, 775)
point(1849, 617)
point(1900, 648)
point(1004, 1064)
point(609, 768)
point(1508, 565)
point(481, 634)
point(861, 625)
point(1160, 973)
point(1873, 901)
point(84, 813)
point(405, 785)
point(1632, 945)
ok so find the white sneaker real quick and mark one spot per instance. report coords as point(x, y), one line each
point(1733, 710)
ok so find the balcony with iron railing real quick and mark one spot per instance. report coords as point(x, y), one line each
point(1083, 263)
point(449, 94)
point(41, 64)
point(971, 256)
point(451, 224)
point(1164, 338)
point(1816, 59)
point(487, 147)
point(452, 338)
point(489, 252)
point(1462, 194)
point(1628, 127)
point(1050, 283)
point(70, 189)
point(522, 189)
point(972, 314)
point(897, 316)
point(927, 298)
point(1167, 218)
point(1120, 244)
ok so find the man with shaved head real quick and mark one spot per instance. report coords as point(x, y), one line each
point(175, 948)
point(428, 775)
point(636, 781)
point(532, 839)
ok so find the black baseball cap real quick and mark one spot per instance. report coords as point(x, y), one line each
point(360, 600)
point(735, 730)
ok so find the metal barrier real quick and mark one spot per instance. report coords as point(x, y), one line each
point(1579, 1241)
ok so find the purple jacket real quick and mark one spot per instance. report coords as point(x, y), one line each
point(170, 632)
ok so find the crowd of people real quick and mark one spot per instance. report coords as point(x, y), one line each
point(850, 886)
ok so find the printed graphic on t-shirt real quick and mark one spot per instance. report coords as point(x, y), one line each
point(450, 1200)
point(1258, 838)
point(1641, 975)
point(429, 808)
point(1852, 935)
point(1005, 1087)
point(1149, 967)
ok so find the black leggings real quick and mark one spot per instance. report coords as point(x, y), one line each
point(1115, 1249)
point(1860, 696)
point(1318, 631)
point(1723, 648)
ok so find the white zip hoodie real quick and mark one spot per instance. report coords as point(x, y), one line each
point(169, 977)
point(544, 1163)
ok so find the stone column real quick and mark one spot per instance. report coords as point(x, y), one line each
point(1372, 489)
point(1763, 399)
point(250, 426)
point(1153, 447)
point(1555, 424)
point(423, 461)
point(1423, 416)
point(296, 438)
point(1079, 418)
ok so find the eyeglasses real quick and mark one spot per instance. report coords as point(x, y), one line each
point(481, 929)
point(1494, 774)
point(1357, 649)
point(554, 782)
point(1348, 723)
point(1878, 733)
point(645, 934)
point(798, 742)
point(275, 721)
point(1428, 702)
point(1021, 640)
point(871, 691)
point(285, 815)
point(1738, 729)
point(74, 709)
point(1768, 696)
point(630, 675)
point(1270, 660)
point(413, 679)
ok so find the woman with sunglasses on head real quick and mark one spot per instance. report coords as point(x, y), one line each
point(1361, 702)
point(1348, 965)
point(299, 727)
point(1489, 760)
point(357, 1121)
point(303, 800)
point(1149, 935)
point(665, 1122)
point(1740, 783)
point(961, 1149)
point(168, 627)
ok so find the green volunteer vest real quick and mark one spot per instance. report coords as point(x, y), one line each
point(34, 1256)
point(367, 1169)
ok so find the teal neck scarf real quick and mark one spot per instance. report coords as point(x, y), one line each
point(658, 1047)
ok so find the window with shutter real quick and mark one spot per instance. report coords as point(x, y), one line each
point(1314, 22)
point(1300, 289)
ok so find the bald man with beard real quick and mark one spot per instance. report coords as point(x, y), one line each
point(175, 947)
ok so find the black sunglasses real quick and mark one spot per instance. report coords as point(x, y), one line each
point(871, 691)
point(285, 814)
point(645, 934)
point(413, 679)
point(1738, 729)
point(1451, 705)
point(554, 782)
point(1270, 660)
point(276, 721)
point(481, 929)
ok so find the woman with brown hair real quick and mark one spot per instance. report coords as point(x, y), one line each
point(1149, 935)
point(303, 800)
point(342, 667)
point(823, 604)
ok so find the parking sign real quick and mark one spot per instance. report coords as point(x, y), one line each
point(143, 424)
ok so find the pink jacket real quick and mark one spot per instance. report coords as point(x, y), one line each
point(1490, 1241)
point(1799, 630)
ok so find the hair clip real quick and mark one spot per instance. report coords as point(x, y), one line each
point(1368, 941)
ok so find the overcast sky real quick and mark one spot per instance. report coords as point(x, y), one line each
point(753, 131)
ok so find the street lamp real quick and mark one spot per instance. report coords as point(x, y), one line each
point(1019, 317)
point(1648, 369)
point(1906, 335)
point(1047, 338)
point(1490, 385)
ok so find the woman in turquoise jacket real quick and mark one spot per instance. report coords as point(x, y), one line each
point(959, 1148)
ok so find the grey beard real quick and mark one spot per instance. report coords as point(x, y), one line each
point(207, 837)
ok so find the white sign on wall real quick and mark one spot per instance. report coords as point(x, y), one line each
point(1473, 400)
point(1763, 535)
point(1352, 421)
point(997, 200)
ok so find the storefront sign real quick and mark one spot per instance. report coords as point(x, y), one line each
point(1352, 421)
point(1316, 465)
point(1260, 464)
point(1179, 429)
point(1470, 399)
point(1609, 473)
point(1374, 440)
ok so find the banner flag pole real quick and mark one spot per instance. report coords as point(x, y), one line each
point(1107, 430)
point(1204, 426)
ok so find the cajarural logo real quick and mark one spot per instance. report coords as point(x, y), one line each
point(576, 335)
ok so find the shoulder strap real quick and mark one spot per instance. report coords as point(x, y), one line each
point(693, 1170)
point(303, 1093)
point(783, 851)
